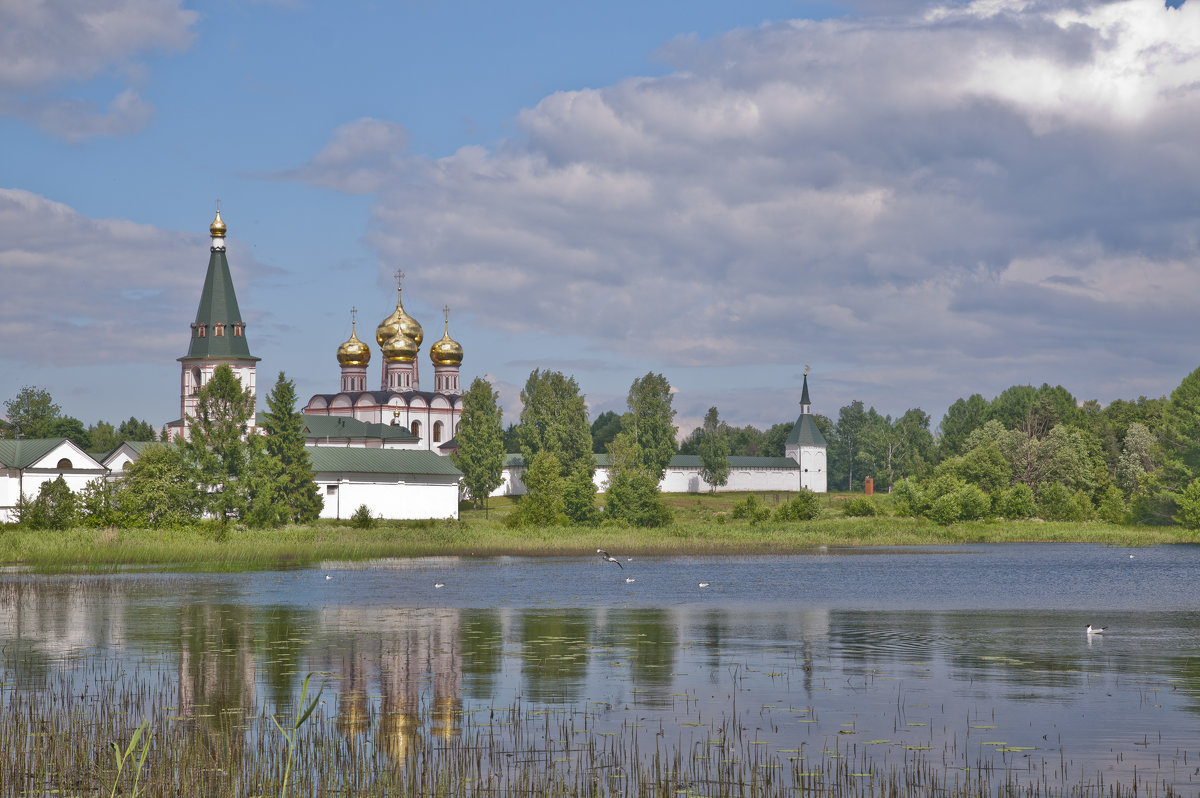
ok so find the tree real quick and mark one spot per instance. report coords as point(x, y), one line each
point(54, 507)
point(480, 441)
point(542, 504)
point(651, 422)
point(632, 496)
point(217, 449)
point(1137, 457)
point(1182, 429)
point(30, 414)
point(604, 429)
point(1189, 505)
point(136, 430)
point(961, 419)
point(846, 444)
point(102, 437)
point(714, 451)
point(158, 490)
point(554, 419)
point(579, 494)
point(284, 429)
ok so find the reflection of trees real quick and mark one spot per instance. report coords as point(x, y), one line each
point(650, 635)
point(481, 639)
point(216, 671)
point(282, 649)
point(555, 653)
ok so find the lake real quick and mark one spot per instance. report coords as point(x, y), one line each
point(925, 665)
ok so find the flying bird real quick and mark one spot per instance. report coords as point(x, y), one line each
point(1095, 630)
point(604, 555)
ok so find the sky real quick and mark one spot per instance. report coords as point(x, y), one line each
point(919, 201)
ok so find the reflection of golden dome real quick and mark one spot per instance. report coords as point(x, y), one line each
point(352, 713)
point(400, 349)
point(354, 352)
point(399, 730)
point(399, 322)
point(444, 721)
point(447, 351)
point(217, 228)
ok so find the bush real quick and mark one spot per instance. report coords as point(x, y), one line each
point(908, 499)
point(1189, 506)
point(804, 506)
point(860, 507)
point(1112, 507)
point(1057, 502)
point(973, 503)
point(751, 509)
point(945, 510)
point(54, 507)
point(362, 518)
point(1017, 502)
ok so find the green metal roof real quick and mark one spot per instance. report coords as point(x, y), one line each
point(806, 432)
point(684, 461)
point(218, 305)
point(356, 459)
point(23, 453)
point(345, 427)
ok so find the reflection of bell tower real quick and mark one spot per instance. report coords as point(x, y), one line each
point(352, 718)
point(218, 333)
point(447, 674)
point(400, 688)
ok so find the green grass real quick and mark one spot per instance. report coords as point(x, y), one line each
point(703, 525)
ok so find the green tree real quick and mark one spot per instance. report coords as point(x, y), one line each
point(775, 439)
point(961, 419)
point(217, 449)
point(650, 422)
point(1188, 505)
point(31, 414)
point(99, 503)
point(604, 429)
point(102, 437)
point(554, 419)
point(632, 495)
point(845, 447)
point(1182, 430)
point(579, 494)
point(158, 490)
point(54, 507)
point(1137, 457)
point(480, 439)
point(714, 451)
point(292, 470)
point(134, 429)
point(543, 503)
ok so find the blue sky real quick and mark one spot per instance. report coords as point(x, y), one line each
point(919, 200)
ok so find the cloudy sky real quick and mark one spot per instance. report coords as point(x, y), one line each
point(919, 200)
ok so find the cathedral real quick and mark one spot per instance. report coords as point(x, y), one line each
point(430, 417)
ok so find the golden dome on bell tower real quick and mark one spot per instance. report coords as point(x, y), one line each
point(353, 352)
point(447, 351)
point(399, 322)
point(217, 228)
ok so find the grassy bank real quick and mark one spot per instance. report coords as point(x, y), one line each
point(703, 525)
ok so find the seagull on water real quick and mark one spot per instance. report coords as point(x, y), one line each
point(629, 579)
point(604, 555)
point(702, 584)
point(439, 584)
point(1095, 630)
point(328, 577)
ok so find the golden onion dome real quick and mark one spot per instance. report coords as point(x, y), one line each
point(217, 228)
point(353, 352)
point(399, 322)
point(400, 349)
point(447, 351)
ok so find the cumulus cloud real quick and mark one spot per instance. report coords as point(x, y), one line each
point(1004, 189)
point(46, 44)
point(360, 158)
point(117, 289)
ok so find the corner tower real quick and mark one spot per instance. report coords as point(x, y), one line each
point(807, 446)
point(218, 333)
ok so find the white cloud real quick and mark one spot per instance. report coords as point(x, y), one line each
point(962, 187)
point(359, 158)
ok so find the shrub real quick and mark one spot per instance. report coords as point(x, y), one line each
point(945, 509)
point(1188, 504)
point(1057, 502)
point(362, 518)
point(804, 506)
point(973, 503)
point(860, 507)
point(54, 507)
point(1112, 507)
point(908, 499)
point(1017, 502)
point(751, 509)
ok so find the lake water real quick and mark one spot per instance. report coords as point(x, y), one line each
point(975, 655)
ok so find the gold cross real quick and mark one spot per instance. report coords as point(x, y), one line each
point(399, 278)
point(446, 310)
point(353, 317)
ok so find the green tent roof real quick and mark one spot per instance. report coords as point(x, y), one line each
point(218, 305)
point(356, 459)
point(806, 432)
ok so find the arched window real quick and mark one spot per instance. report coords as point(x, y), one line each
point(64, 463)
point(437, 432)
point(416, 428)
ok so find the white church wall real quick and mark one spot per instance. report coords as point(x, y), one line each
point(397, 498)
point(813, 474)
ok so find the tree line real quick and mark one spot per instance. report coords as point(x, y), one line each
point(33, 413)
point(221, 470)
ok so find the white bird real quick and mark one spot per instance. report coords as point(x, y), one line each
point(702, 584)
point(604, 555)
point(328, 577)
point(1095, 630)
point(629, 579)
point(439, 584)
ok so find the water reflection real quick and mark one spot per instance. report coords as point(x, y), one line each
point(402, 677)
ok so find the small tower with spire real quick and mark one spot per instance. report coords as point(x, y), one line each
point(447, 355)
point(353, 356)
point(807, 446)
point(218, 333)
